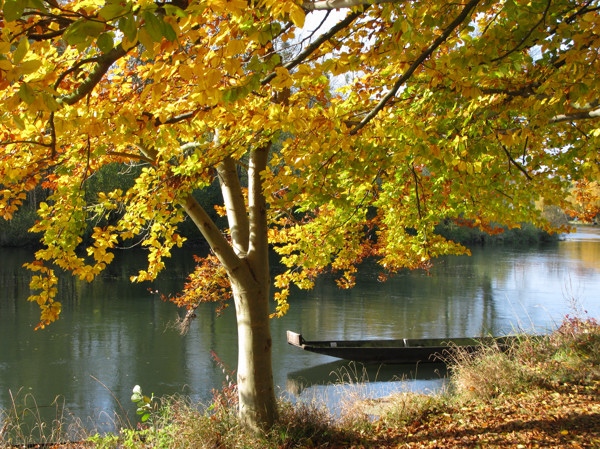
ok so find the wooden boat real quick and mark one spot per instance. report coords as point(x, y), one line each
point(407, 350)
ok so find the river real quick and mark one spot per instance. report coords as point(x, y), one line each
point(113, 335)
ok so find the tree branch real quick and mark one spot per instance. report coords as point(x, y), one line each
point(137, 157)
point(213, 235)
point(529, 33)
point(326, 5)
point(316, 44)
point(515, 163)
point(257, 208)
point(235, 205)
point(581, 115)
point(103, 64)
point(424, 55)
point(72, 69)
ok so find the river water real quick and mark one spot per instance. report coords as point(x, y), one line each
point(113, 335)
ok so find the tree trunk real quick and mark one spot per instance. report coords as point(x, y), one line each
point(257, 404)
point(246, 259)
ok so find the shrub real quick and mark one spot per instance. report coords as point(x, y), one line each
point(486, 374)
point(570, 354)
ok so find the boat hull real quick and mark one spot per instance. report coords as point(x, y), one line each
point(395, 351)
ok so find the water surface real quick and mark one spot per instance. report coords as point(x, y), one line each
point(113, 335)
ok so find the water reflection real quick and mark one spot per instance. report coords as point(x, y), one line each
point(121, 334)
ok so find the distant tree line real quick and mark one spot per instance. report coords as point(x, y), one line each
point(15, 232)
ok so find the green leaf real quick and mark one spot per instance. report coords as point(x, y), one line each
point(80, 30)
point(112, 10)
point(18, 121)
point(168, 31)
point(37, 4)
point(173, 10)
point(273, 61)
point(153, 26)
point(93, 28)
point(13, 9)
point(50, 102)
point(254, 65)
point(128, 26)
point(26, 93)
point(21, 51)
point(105, 42)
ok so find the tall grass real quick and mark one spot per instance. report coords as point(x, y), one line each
point(24, 423)
point(569, 354)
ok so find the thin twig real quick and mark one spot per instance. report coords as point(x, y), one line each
point(515, 163)
point(415, 65)
point(529, 33)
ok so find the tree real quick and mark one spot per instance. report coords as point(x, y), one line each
point(585, 201)
point(472, 109)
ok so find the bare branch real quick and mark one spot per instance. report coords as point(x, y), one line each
point(424, 55)
point(212, 234)
point(136, 157)
point(515, 163)
point(72, 69)
point(103, 64)
point(581, 115)
point(327, 5)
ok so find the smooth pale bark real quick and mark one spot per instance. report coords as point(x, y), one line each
point(257, 403)
point(247, 265)
point(258, 407)
point(327, 5)
point(234, 205)
point(250, 285)
point(246, 260)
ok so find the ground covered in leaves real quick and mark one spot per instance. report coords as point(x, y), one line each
point(564, 416)
point(561, 416)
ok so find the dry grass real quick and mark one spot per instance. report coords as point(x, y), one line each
point(24, 423)
point(486, 374)
point(569, 354)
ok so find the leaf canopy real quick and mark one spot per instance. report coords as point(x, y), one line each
point(396, 118)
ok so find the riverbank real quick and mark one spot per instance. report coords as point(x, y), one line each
point(541, 393)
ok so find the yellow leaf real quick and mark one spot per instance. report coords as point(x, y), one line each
point(30, 66)
point(21, 50)
point(213, 77)
point(5, 64)
point(185, 71)
point(235, 47)
point(297, 15)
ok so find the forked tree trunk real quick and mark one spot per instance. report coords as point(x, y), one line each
point(246, 260)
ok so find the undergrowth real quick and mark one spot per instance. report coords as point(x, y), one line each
point(568, 356)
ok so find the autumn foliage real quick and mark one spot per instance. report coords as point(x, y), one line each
point(585, 201)
point(450, 110)
point(332, 141)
